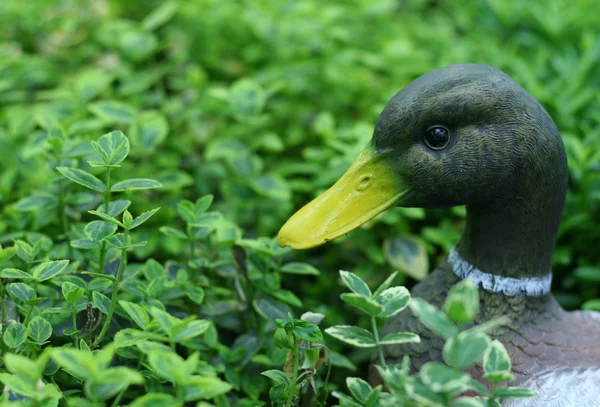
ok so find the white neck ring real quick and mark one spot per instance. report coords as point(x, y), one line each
point(530, 286)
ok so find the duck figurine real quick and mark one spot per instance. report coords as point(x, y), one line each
point(469, 135)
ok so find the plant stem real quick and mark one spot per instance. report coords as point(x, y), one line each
point(4, 316)
point(378, 345)
point(62, 216)
point(106, 204)
point(74, 318)
point(294, 375)
point(114, 297)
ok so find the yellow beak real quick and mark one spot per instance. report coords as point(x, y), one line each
point(368, 188)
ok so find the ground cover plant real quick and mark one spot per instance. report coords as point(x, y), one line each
point(152, 149)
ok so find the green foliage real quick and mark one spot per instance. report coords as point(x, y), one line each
point(227, 116)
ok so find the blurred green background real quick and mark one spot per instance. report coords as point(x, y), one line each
point(266, 103)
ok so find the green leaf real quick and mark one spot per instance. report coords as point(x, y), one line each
point(393, 300)
point(194, 293)
point(156, 400)
point(142, 218)
point(149, 132)
point(6, 254)
point(443, 379)
point(15, 274)
point(299, 268)
point(15, 335)
point(462, 302)
point(385, 285)
point(101, 301)
point(20, 291)
point(496, 358)
point(77, 363)
point(365, 304)
point(135, 184)
point(99, 230)
point(308, 333)
point(107, 218)
point(136, 312)
point(400, 337)
point(111, 381)
point(466, 349)
point(82, 178)
point(499, 377)
point(169, 231)
point(160, 15)
point(359, 388)
point(352, 335)
point(167, 365)
point(163, 318)
point(513, 392)
point(119, 240)
point(433, 318)
point(190, 329)
point(112, 147)
point(18, 385)
point(24, 250)
point(72, 292)
point(113, 111)
point(408, 254)
point(39, 329)
point(278, 377)
point(115, 208)
point(354, 283)
point(49, 269)
point(270, 308)
point(23, 367)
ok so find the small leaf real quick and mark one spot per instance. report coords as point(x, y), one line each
point(163, 318)
point(443, 379)
point(39, 329)
point(72, 292)
point(466, 349)
point(462, 302)
point(496, 358)
point(169, 231)
point(82, 178)
point(386, 284)
point(107, 218)
point(433, 318)
point(352, 335)
point(167, 365)
point(49, 269)
point(15, 274)
point(115, 208)
point(354, 283)
point(359, 388)
point(6, 254)
point(277, 376)
point(190, 329)
point(365, 304)
point(113, 111)
point(20, 291)
point(78, 363)
point(408, 254)
point(156, 400)
point(270, 308)
point(15, 335)
point(394, 300)
point(299, 268)
point(308, 333)
point(400, 337)
point(142, 218)
point(98, 230)
point(513, 393)
point(137, 313)
point(113, 147)
point(101, 301)
point(135, 184)
point(160, 15)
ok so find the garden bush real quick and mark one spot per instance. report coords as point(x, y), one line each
point(152, 149)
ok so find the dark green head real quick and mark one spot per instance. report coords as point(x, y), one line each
point(461, 135)
point(501, 143)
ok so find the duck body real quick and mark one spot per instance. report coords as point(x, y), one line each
point(553, 352)
point(470, 135)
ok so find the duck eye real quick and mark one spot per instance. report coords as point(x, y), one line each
point(437, 137)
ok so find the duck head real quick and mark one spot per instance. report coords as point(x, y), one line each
point(461, 135)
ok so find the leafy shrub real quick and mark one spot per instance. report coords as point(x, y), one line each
point(240, 111)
